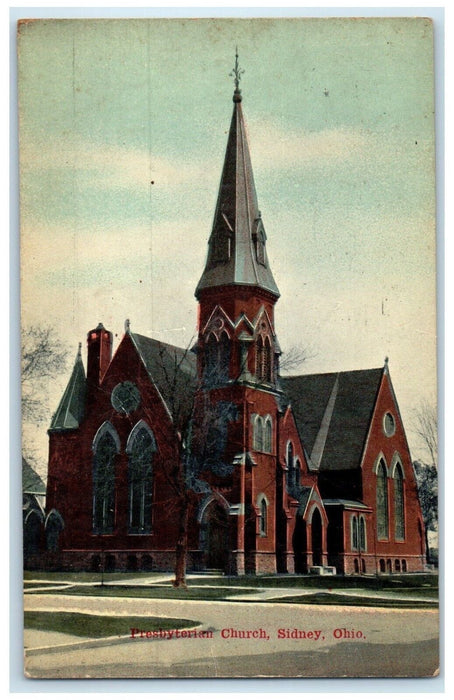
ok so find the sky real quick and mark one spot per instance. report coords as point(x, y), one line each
point(122, 133)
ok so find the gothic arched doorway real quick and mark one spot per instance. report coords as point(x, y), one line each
point(217, 536)
point(316, 528)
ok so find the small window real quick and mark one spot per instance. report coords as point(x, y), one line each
point(356, 565)
point(382, 566)
point(389, 424)
point(354, 524)
point(263, 518)
point(404, 566)
point(389, 566)
point(362, 534)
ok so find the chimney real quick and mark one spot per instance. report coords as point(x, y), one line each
point(99, 344)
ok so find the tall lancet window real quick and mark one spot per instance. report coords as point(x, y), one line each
point(141, 446)
point(399, 512)
point(217, 359)
point(267, 361)
point(264, 360)
point(290, 466)
point(259, 357)
point(105, 449)
point(382, 502)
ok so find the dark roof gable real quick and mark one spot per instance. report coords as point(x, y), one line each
point(340, 412)
point(174, 372)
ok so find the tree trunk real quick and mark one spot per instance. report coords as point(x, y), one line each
point(181, 549)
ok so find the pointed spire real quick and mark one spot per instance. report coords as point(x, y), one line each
point(237, 245)
point(71, 408)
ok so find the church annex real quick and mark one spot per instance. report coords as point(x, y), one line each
point(286, 473)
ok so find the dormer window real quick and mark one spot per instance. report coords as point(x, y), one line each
point(259, 238)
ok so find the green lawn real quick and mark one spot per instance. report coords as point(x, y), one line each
point(98, 626)
point(88, 576)
point(322, 598)
point(150, 591)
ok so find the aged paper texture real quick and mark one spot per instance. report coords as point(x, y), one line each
point(229, 347)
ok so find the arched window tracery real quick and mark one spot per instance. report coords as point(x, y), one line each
point(105, 449)
point(382, 502)
point(141, 447)
point(217, 359)
point(399, 506)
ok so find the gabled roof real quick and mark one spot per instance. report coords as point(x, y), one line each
point(237, 226)
point(334, 418)
point(72, 405)
point(173, 370)
point(31, 481)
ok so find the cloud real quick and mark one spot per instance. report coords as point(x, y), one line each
point(109, 166)
point(276, 147)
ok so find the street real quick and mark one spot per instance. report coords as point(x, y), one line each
point(239, 640)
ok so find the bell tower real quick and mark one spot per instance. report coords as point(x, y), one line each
point(237, 291)
point(238, 353)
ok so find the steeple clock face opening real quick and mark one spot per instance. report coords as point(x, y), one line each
point(125, 397)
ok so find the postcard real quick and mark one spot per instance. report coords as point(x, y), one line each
point(228, 310)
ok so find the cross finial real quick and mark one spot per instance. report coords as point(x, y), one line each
point(237, 72)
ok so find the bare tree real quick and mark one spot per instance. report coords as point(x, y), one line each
point(424, 424)
point(201, 434)
point(294, 357)
point(43, 358)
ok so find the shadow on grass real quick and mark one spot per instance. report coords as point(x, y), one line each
point(99, 626)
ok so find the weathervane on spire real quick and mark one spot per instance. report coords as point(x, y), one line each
point(237, 72)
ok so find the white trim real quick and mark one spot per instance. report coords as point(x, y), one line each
point(106, 427)
point(396, 459)
point(31, 512)
point(378, 459)
point(219, 498)
point(57, 515)
point(141, 424)
point(311, 514)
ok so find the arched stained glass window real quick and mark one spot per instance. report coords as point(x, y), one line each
point(399, 512)
point(140, 482)
point(382, 502)
point(104, 484)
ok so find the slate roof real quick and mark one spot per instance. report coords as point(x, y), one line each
point(237, 217)
point(71, 408)
point(31, 481)
point(173, 370)
point(347, 420)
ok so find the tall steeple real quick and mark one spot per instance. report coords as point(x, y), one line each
point(237, 245)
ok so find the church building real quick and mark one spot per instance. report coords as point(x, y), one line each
point(294, 474)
